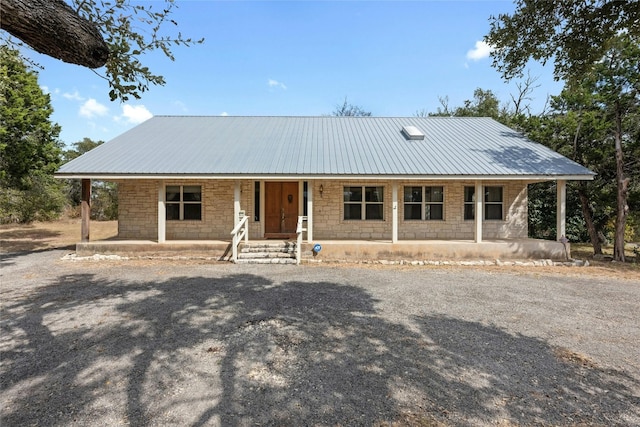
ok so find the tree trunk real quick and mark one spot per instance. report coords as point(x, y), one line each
point(53, 28)
point(623, 188)
point(588, 219)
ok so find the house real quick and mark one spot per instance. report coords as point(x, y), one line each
point(401, 183)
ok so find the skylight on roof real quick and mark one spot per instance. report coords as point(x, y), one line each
point(412, 132)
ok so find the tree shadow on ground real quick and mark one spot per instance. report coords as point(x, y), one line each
point(243, 350)
point(25, 240)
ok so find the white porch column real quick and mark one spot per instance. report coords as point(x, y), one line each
point(394, 213)
point(85, 210)
point(236, 203)
point(479, 212)
point(162, 213)
point(561, 206)
point(310, 211)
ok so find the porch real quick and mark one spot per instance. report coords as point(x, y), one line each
point(343, 250)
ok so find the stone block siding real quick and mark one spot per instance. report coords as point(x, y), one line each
point(328, 222)
point(138, 211)
point(138, 218)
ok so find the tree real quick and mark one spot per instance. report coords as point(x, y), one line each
point(593, 43)
point(347, 109)
point(28, 139)
point(104, 195)
point(94, 33)
point(617, 93)
point(29, 146)
point(484, 104)
point(52, 27)
point(575, 33)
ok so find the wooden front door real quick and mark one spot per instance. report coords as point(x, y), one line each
point(281, 209)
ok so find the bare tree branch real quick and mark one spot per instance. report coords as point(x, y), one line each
point(53, 28)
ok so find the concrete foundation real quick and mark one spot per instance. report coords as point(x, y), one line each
point(342, 250)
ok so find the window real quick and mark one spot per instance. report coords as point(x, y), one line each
point(184, 202)
point(492, 203)
point(305, 198)
point(363, 202)
point(256, 201)
point(469, 202)
point(424, 203)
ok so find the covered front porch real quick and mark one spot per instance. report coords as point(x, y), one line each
point(393, 246)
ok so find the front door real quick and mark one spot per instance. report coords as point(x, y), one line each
point(281, 209)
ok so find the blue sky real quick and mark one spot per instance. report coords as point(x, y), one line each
point(392, 58)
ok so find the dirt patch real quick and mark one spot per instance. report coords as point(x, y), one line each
point(50, 235)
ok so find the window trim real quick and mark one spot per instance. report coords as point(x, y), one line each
point(182, 202)
point(485, 203)
point(363, 203)
point(424, 203)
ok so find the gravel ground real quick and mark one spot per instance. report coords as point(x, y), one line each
point(149, 343)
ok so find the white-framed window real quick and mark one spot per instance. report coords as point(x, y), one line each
point(183, 202)
point(469, 202)
point(493, 203)
point(424, 203)
point(363, 203)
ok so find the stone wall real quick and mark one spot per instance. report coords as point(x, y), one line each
point(329, 223)
point(138, 218)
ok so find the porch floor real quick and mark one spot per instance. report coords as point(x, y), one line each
point(340, 250)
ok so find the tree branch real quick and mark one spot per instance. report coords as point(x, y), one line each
point(53, 28)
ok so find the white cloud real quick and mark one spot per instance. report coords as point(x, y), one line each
point(75, 96)
point(224, 114)
point(135, 113)
point(481, 51)
point(92, 108)
point(45, 89)
point(275, 83)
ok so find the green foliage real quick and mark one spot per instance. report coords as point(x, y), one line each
point(28, 140)
point(40, 199)
point(104, 201)
point(29, 148)
point(104, 195)
point(573, 33)
point(131, 30)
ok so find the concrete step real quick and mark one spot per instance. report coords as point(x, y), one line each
point(250, 255)
point(254, 249)
point(267, 253)
point(266, 261)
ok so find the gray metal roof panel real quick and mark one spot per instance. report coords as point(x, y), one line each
point(175, 145)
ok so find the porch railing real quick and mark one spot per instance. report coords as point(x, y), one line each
point(240, 231)
point(299, 231)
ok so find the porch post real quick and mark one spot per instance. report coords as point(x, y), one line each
point(236, 203)
point(479, 210)
point(394, 213)
point(162, 213)
point(561, 206)
point(85, 210)
point(310, 211)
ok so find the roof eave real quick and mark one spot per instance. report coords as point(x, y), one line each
point(511, 177)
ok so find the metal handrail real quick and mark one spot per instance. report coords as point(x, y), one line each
point(241, 230)
point(299, 231)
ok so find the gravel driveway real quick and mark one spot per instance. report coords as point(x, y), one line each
point(149, 343)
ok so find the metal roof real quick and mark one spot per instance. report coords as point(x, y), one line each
point(365, 147)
